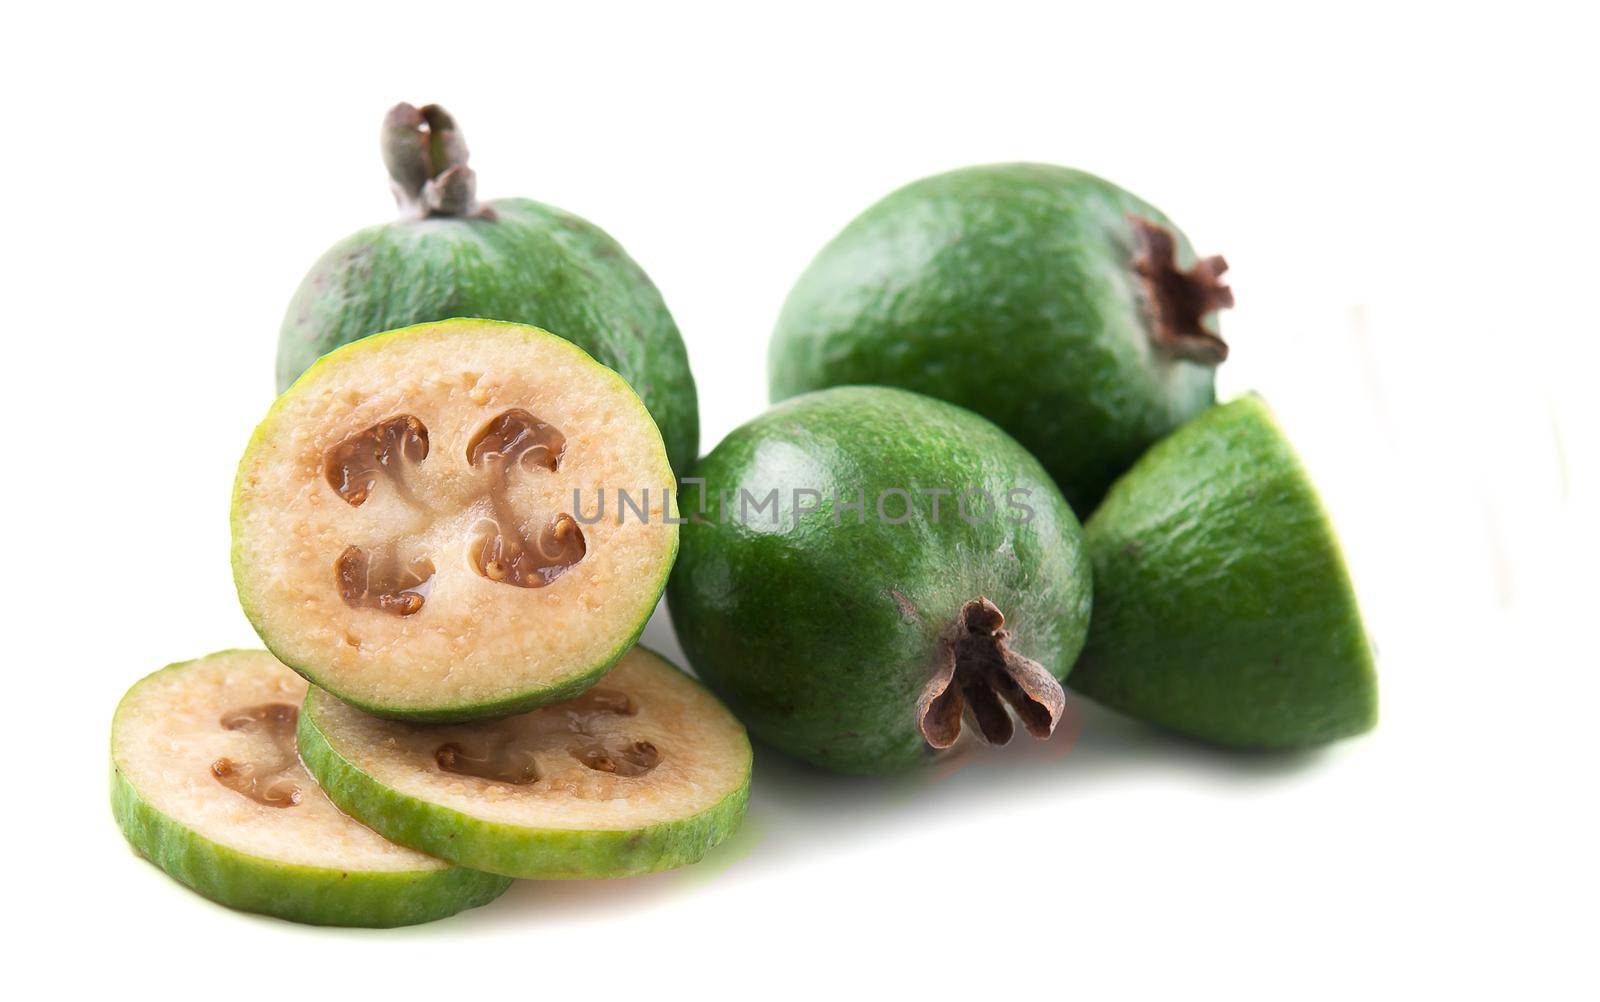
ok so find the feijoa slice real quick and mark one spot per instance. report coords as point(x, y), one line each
point(206, 785)
point(454, 521)
point(643, 772)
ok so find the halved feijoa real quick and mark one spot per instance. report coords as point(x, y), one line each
point(644, 772)
point(206, 785)
point(453, 521)
point(1222, 607)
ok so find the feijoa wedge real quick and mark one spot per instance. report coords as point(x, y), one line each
point(453, 521)
point(206, 785)
point(645, 771)
point(1222, 607)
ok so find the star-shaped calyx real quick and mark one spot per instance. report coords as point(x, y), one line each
point(1180, 300)
point(978, 675)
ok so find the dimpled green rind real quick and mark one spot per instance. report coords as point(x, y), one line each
point(567, 688)
point(308, 894)
point(1008, 289)
point(529, 263)
point(823, 636)
point(513, 850)
point(1222, 606)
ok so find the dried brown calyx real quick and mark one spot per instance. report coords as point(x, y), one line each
point(352, 467)
point(427, 161)
point(1181, 300)
point(507, 750)
point(507, 553)
point(978, 675)
point(268, 776)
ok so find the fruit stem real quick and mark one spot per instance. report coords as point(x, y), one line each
point(427, 160)
point(1181, 300)
point(977, 671)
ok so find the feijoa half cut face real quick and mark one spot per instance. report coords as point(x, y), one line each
point(206, 784)
point(454, 521)
point(643, 772)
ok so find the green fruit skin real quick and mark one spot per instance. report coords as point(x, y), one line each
point(308, 894)
point(512, 850)
point(1008, 289)
point(456, 713)
point(1223, 609)
point(531, 263)
point(821, 637)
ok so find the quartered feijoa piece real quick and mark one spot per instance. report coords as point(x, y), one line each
point(1223, 609)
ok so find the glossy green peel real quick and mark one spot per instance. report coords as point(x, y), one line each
point(507, 259)
point(1069, 312)
point(849, 591)
point(1223, 609)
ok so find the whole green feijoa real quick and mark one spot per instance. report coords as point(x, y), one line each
point(1222, 607)
point(1061, 307)
point(866, 567)
point(510, 259)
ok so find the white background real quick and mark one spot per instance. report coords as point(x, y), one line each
point(1407, 196)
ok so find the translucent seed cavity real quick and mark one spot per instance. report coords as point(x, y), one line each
point(597, 702)
point(493, 758)
point(267, 776)
point(503, 752)
point(516, 436)
point(632, 758)
point(352, 467)
point(510, 558)
point(506, 555)
point(387, 584)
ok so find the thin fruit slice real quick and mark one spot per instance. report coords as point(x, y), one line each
point(1222, 607)
point(454, 521)
point(644, 772)
point(206, 785)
